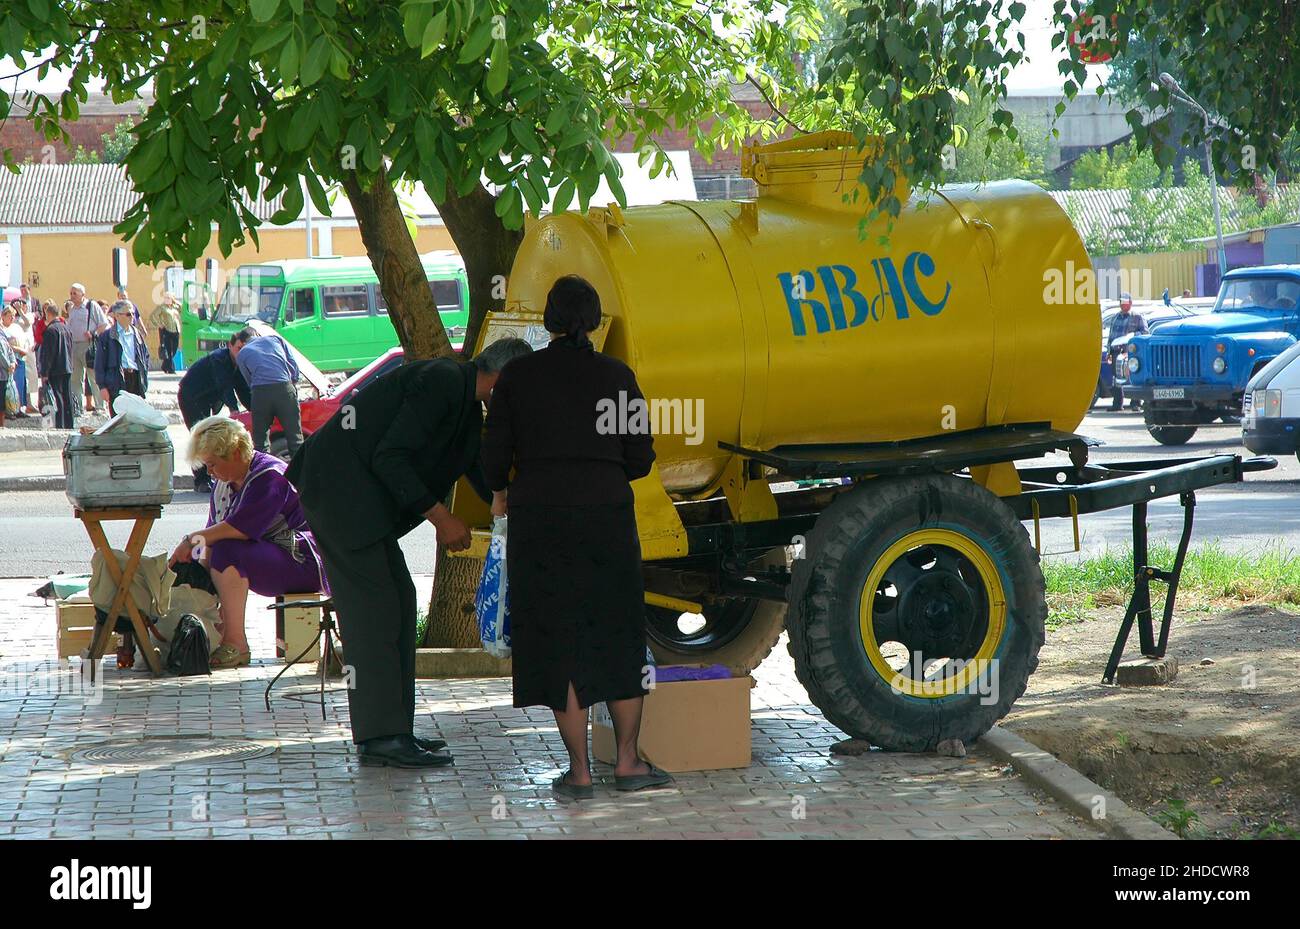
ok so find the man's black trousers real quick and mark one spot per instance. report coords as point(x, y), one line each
point(192, 411)
point(374, 598)
point(61, 386)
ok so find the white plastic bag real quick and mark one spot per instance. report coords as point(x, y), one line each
point(137, 410)
point(490, 603)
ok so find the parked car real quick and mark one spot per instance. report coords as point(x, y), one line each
point(318, 402)
point(1192, 371)
point(1270, 422)
point(1155, 313)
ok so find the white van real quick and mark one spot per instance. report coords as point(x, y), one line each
point(1270, 423)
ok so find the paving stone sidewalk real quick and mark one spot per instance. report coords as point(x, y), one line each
point(202, 757)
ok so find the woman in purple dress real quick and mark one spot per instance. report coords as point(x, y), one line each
point(256, 538)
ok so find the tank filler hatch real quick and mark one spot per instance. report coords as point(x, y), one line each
point(820, 169)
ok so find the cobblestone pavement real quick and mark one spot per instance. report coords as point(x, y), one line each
point(204, 758)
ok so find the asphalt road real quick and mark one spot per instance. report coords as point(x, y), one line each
point(38, 535)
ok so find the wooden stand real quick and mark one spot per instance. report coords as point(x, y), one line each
point(144, 517)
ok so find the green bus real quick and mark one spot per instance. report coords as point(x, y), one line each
point(331, 309)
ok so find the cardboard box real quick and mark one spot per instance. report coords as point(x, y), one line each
point(296, 627)
point(686, 726)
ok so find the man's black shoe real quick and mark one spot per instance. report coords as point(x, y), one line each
point(430, 745)
point(399, 751)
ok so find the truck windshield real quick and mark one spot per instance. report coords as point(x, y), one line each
point(1247, 293)
point(248, 296)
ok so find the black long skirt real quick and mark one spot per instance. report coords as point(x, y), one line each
point(577, 611)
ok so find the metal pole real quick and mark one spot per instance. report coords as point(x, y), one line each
point(1214, 181)
point(308, 222)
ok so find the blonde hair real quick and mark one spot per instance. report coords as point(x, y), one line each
point(220, 437)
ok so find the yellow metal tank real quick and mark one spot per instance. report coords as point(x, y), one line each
point(792, 327)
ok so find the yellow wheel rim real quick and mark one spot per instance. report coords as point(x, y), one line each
point(961, 676)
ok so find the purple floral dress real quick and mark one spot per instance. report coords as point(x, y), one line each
point(279, 556)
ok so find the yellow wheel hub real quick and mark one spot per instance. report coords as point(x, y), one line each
point(962, 673)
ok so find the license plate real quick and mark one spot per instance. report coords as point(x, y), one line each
point(1167, 393)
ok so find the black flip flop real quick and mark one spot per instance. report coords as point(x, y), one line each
point(655, 778)
point(563, 788)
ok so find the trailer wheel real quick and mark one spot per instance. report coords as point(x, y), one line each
point(918, 612)
point(738, 632)
point(1166, 434)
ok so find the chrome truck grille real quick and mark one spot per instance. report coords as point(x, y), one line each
point(1175, 361)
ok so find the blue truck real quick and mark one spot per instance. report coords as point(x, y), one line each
point(1192, 371)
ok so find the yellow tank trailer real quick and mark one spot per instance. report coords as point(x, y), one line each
point(885, 391)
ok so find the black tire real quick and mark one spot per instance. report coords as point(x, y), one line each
point(1232, 419)
point(1168, 435)
point(739, 632)
point(850, 539)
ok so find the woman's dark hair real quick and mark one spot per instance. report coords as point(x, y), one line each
point(572, 308)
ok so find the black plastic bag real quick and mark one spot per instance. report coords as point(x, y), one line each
point(189, 651)
point(193, 574)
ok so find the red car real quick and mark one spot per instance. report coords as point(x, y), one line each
point(324, 400)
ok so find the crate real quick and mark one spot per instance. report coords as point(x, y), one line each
point(75, 628)
point(295, 628)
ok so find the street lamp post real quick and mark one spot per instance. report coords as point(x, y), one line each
point(1184, 97)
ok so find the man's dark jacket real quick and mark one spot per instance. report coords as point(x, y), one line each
point(390, 453)
point(108, 360)
point(214, 381)
point(56, 350)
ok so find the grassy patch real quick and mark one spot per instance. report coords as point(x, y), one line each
point(1212, 578)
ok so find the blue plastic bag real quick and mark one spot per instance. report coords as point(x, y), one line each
point(178, 360)
point(490, 603)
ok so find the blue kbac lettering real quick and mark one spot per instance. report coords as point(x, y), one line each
point(885, 270)
point(835, 294)
point(840, 283)
point(920, 261)
point(796, 303)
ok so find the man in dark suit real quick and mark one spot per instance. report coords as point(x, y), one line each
point(383, 464)
point(56, 365)
point(210, 383)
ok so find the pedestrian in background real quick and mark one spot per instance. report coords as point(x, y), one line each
point(56, 364)
point(1125, 323)
point(31, 304)
point(122, 357)
point(8, 363)
point(86, 322)
point(17, 328)
point(38, 326)
point(208, 384)
point(167, 321)
point(268, 366)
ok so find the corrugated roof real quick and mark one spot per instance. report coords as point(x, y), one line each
point(1101, 213)
point(77, 195)
point(100, 194)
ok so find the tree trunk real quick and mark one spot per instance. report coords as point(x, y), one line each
point(452, 622)
point(396, 261)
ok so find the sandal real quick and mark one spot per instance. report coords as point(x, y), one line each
point(563, 788)
point(653, 778)
point(227, 656)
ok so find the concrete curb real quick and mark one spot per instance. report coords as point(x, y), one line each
point(180, 482)
point(1078, 794)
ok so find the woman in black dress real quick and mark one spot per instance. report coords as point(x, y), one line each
point(577, 611)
